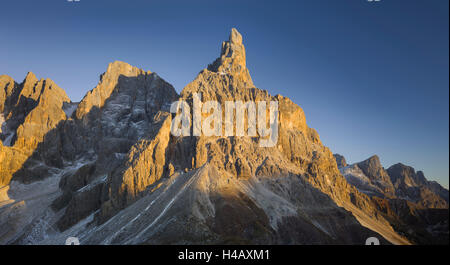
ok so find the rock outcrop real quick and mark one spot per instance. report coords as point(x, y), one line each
point(8, 93)
point(232, 61)
point(372, 168)
point(30, 111)
point(340, 160)
point(124, 124)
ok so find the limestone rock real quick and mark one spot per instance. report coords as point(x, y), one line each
point(124, 123)
point(232, 60)
point(145, 165)
point(299, 153)
point(125, 179)
point(109, 82)
point(418, 208)
point(414, 186)
point(378, 176)
point(8, 92)
point(340, 160)
point(32, 110)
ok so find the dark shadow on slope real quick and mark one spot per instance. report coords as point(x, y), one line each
point(237, 219)
point(19, 112)
point(422, 226)
point(90, 151)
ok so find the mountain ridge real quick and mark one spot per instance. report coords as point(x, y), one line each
point(415, 207)
point(118, 176)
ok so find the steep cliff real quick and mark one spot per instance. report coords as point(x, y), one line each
point(109, 170)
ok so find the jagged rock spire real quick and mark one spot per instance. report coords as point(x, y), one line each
point(232, 59)
point(234, 48)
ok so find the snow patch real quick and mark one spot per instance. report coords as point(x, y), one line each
point(69, 108)
point(93, 184)
point(273, 205)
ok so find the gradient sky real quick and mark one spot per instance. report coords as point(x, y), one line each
point(372, 77)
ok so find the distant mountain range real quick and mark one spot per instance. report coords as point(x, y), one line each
point(108, 170)
point(415, 207)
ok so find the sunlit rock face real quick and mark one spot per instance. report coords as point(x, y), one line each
point(232, 60)
point(115, 174)
point(8, 92)
point(30, 111)
point(232, 174)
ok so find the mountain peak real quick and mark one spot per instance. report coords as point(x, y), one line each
point(371, 165)
point(340, 160)
point(30, 78)
point(109, 81)
point(122, 67)
point(374, 158)
point(232, 59)
point(374, 170)
point(406, 174)
point(235, 37)
point(6, 78)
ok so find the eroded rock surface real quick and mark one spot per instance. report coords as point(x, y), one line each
point(340, 160)
point(415, 207)
point(123, 178)
point(30, 111)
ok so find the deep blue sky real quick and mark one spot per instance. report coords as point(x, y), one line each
point(372, 78)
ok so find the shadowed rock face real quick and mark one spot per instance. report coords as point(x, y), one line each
point(111, 120)
point(405, 175)
point(124, 125)
point(340, 160)
point(418, 208)
point(123, 178)
point(415, 187)
point(371, 178)
point(372, 168)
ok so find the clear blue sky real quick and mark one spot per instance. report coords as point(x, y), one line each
point(372, 78)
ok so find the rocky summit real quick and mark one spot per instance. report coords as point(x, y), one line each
point(108, 170)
